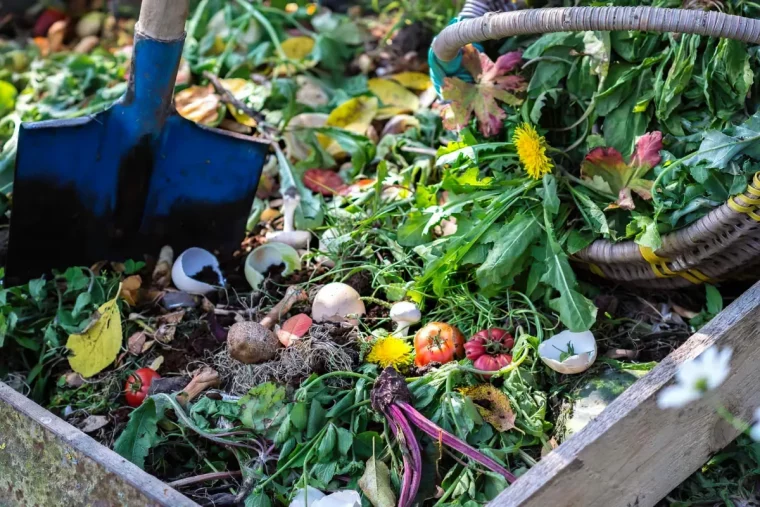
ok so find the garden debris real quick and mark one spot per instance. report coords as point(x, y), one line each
point(99, 344)
point(162, 273)
point(204, 378)
point(93, 423)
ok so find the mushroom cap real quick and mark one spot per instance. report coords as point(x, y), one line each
point(250, 342)
point(295, 239)
point(405, 311)
point(335, 302)
point(584, 345)
point(190, 263)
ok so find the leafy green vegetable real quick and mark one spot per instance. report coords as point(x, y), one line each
point(141, 433)
point(263, 408)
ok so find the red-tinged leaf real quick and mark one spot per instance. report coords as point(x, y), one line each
point(647, 154)
point(324, 181)
point(482, 97)
point(471, 61)
point(293, 329)
point(605, 170)
point(504, 64)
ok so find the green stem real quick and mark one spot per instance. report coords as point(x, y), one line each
point(737, 423)
point(450, 491)
point(305, 388)
point(286, 466)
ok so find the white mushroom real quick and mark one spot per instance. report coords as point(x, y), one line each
point(404, 314)
point(569, 352)
point(265, 256)
point(337, 302)
point(289, 235)
point(189, 264)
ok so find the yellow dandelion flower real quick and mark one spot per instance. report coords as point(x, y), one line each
point(531, 149)
point(390, 351)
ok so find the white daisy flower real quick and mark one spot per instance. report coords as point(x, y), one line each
point(694, 378)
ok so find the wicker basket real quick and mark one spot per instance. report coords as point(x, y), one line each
point(723, 244)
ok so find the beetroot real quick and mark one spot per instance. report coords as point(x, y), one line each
point(391, 397)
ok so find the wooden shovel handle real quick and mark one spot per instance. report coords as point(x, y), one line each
point(495, 26)
point(163, 19)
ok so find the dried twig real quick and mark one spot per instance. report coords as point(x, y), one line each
point(293, 295)
point(214, 476)
point(205, 378)
point(228, 97)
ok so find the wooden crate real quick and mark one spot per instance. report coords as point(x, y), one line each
point(46, 462)
point(633, 453)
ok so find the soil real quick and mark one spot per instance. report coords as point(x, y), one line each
point(207, 275)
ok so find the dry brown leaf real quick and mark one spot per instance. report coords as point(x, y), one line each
point(93, 423)
point(495, 408)
point(136, 342)
point(130, 290)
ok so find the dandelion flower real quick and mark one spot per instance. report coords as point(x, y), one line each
point(694, 378)
point(531, 149)
point(390, 351)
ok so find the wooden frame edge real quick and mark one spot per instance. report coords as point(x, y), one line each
point(634, 453)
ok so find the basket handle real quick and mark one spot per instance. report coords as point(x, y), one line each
point(573, 19)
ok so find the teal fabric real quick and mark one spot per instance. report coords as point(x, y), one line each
point(439, 70)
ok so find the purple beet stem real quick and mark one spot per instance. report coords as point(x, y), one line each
point(450, 440)
point(416, 455)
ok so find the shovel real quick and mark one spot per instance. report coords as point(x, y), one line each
point(123, 183)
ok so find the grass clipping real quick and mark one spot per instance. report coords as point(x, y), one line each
point(315, 353)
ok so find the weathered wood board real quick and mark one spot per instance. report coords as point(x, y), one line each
point(45, 462)
point(634, 453)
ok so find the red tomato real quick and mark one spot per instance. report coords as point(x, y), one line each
point(487, 349)
point(438, 343)
point(138, 384)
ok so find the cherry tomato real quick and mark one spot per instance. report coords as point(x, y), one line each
point(136, 389)
point(438, 342)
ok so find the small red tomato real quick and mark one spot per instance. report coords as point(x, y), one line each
point(138, 384)
point(438, 342)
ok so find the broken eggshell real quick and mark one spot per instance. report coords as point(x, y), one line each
point(583, 344)
point(267, 255)
point(189, 264)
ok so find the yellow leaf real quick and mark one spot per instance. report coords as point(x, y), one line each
point(99, 345)
point(492, 405)
point(199, 104)
point(392, 94)
point(298, 48)
point(354, 115)
point(385, 113)
point(239, 88)
point(413, 80)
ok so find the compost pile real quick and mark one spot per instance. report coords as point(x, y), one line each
point(401, 324)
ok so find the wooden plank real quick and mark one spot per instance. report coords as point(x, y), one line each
point(46, 462)
point(634, 453)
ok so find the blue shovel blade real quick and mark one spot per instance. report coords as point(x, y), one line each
point(125, 182)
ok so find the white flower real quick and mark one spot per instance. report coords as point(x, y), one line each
point(754, 431)
point(694, 378)
point(312, 497)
